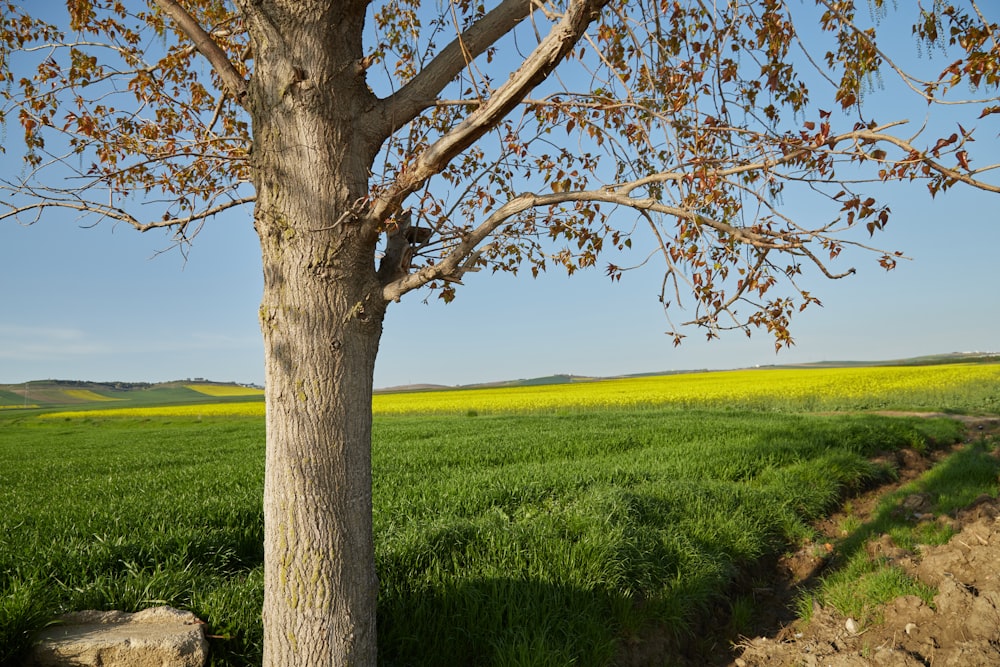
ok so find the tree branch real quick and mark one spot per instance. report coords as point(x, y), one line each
point(466, 248)
point(421, 91)
point(115, 213)
point(924, 158)
point(456, 258)
point(231, 79)
point(536, 67)
point(793, 241)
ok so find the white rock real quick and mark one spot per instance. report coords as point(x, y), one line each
point(157, 637)
point(852, 626)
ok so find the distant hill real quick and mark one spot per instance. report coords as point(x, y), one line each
point(58, 393)
point(927, 360)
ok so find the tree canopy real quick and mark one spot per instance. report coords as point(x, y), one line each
point(681, 124)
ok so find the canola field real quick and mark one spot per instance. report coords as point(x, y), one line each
point(799, 389)
point(86, 395)
point(224, 390)
point(948, 387)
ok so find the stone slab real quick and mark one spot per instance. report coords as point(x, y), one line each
point(156, 637)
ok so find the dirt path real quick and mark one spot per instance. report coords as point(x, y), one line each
point(961, 629)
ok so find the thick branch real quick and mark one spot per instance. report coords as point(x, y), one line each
point(231, 79)
point(456, 259)
point(538, 65)
point(422, 90)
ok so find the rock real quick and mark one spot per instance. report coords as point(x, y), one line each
point(157, 637)
point(915, 502)
point(983, 621)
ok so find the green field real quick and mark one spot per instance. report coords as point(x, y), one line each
point(547, 538)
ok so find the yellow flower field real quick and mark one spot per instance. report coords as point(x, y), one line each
point(758, 388)
point(931, 387)
point(224, 391)
point(87, 395)
point(247, 409)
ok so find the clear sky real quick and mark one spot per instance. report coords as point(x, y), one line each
point(96, 304)
point(101, 304)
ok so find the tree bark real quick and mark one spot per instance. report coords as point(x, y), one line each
point(320, 585)
point(321, 317)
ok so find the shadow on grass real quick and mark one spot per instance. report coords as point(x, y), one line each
point(502, 621)
point(512, 621)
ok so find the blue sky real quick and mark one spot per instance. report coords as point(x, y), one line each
point(102, 304)
point(99, 304)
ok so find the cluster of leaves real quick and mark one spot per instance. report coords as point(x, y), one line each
point(120, 102)
point(699, 118)
point(683, 125)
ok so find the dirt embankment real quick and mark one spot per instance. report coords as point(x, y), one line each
point(960, 629)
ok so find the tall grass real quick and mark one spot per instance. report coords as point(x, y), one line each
point(577, 532)
point(544, 539)
point(130, 514)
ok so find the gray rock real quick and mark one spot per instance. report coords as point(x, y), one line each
point(157, 637)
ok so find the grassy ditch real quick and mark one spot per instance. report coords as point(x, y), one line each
point(513, 540)
point(860, 580)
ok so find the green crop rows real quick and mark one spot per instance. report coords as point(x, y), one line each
point(501, 540)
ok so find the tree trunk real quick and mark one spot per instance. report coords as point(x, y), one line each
point(319, 575)
point(320, 586)
point(321, 318)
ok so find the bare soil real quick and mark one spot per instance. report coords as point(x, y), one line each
point(961, 628)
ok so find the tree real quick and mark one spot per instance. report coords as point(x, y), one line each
point(392, 146)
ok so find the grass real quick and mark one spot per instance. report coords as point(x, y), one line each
point(126, 515)
point(860, 586)
point(51, 395)
point(11, 399)
point(505, 535)
point(652, 518)
point(543, 539)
